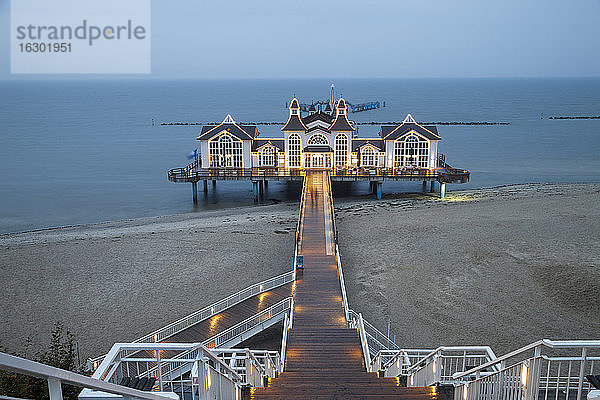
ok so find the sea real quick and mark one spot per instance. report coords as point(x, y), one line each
point(86, 151)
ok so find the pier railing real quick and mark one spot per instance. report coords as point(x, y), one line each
point(298, 246)
point(132, 359)
point(546, 369)
point(439, 366)
point(195, 370)
point(376, 340)
point(372, 340)
point(394, 363)
point(447, 174)
point(245, 327)
point(186, 322)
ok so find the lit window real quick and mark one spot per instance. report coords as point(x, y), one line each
point(267, 156)
point(367, 157)
point(317, 138)
point(225, 151)
point(341, 150)
point(412, 151)
point(295, 150)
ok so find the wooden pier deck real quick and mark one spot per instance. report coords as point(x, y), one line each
point(219, 322)
point(324, 358)
point(231, 316)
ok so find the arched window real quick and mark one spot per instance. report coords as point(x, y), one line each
point(295, 150)
point(267, 156)
point(317, 138)
point(411, 151)
point(225, 151)
point(341, 150)
point(367, 158)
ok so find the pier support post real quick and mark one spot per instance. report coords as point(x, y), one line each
point(255, 190)
point(195, 192)
point(261, 189)
point(205, 186)
point(266, 183)
point(432, 188)
point(442, 190)
point(214, 183)
point(379, 185)
point(424, 187)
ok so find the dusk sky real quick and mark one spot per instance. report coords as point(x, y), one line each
point(367, 39)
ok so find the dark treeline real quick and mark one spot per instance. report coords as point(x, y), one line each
point(60, 353)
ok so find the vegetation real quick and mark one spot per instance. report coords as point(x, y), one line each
point(61, 353)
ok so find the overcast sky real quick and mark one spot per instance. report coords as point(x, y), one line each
point(368, 38)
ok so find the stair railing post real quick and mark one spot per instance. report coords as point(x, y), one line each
point(55, 389)
point(581, 372)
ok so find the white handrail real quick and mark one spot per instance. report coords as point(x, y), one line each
point(207, 312)
point(287, 325)
point(105, 369)
point(373, 333)
point(56, 376)
point(258, 318)
point(363, 341)
point(215, 308)
point(342, 283)
point(440, 350)
point(554, 344)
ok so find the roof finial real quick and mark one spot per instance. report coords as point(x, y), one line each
point(409, 119)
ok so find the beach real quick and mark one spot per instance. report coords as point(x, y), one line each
point(501, 267)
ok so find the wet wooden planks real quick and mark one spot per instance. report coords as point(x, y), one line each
point(324, 358)
point(210, 327)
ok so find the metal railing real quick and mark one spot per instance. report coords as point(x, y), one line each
point(248, 324)
point(376, 340)
point(196, 372)
point(195, 173)
point(546, 369)
point(360, 326)
point(394, 363)
point(342, 284)
point(439, 366)
point(236, 333)
point(57, 376)
point(252, 365)
point(331, 209)
point(186, 322)
point(287, 325)
point(445, 174)
point(299, 224)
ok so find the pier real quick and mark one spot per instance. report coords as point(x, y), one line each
point(324, 356)
point(328, 351)
point(259, 177)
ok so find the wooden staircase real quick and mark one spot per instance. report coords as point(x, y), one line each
point(324, 357)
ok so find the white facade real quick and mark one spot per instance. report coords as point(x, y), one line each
point(319, 140)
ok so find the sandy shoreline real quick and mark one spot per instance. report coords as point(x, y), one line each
point(501, 266)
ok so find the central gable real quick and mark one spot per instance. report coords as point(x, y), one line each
point(242, 132)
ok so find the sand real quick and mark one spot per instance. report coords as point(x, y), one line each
point(116, 282)
point(501, 267)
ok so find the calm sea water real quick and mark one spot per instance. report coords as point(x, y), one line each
point(85, 151)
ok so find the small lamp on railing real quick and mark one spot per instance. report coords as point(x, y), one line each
point(524, 374)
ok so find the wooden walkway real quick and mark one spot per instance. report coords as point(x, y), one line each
point(324, 358)
point(203, 330)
